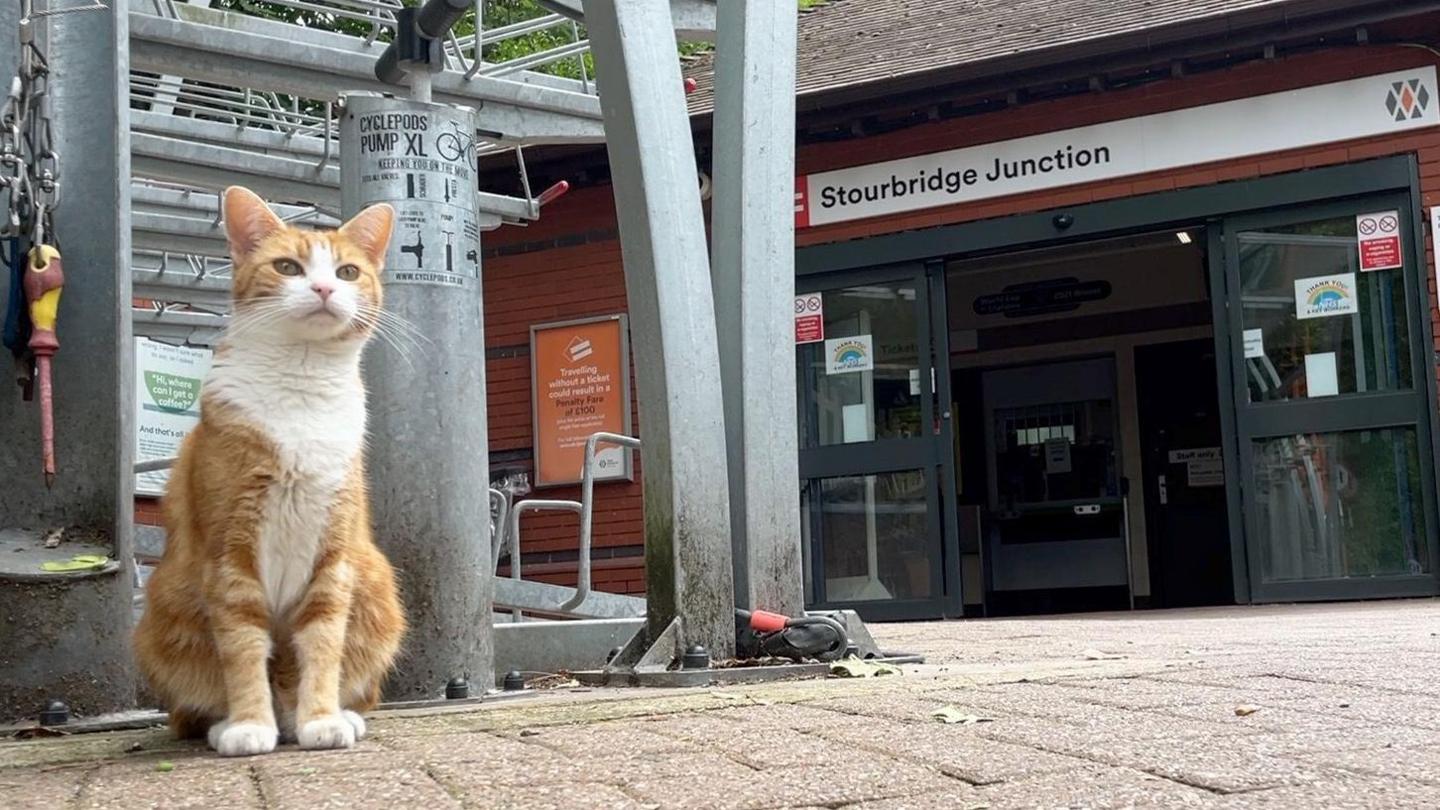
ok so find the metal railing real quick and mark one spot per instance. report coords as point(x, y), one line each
point(585, 508)
point(464, 53)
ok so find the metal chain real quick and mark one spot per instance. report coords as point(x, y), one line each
point(29, 163)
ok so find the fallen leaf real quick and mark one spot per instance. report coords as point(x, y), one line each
point(558, 681)
point(1245, 710)
point(529, 732)
point(164, 766)
point(38, 731)
point(950, 715)
point(726, 696)
point(855, 668)
point(1096, 655)
point(134, 747)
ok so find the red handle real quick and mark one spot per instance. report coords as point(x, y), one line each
point(763, 621)
point(553, 193)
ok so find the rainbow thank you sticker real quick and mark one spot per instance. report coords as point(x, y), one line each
point(1323, 296)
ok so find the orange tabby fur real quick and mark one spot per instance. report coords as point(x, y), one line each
point(214, 643)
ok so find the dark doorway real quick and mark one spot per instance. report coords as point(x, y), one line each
point(1185, 513)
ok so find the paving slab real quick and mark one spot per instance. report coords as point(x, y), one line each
point(1346, 698)
point(614, 769)
point(385, 788)
point(189, 786)
point(41, 790)
point(1223, 765)
point(1096, 788)
point(1347, 793)
point(955, 750)
point(1395, 763)
point(844, 780)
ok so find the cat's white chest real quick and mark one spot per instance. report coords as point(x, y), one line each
point(318, 433)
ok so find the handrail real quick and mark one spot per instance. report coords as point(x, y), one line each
point(154, 465)
point(585, 507)
point(533, 505)
point(501, 504)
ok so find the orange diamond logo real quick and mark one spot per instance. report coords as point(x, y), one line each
point(1407, 100)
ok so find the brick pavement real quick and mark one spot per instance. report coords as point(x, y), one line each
point(1099, 711)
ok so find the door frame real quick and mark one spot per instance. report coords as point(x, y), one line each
point(1201, 204)
point(925, 452)
point(1366, 411)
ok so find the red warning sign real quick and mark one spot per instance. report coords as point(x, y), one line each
point(809, 318)
point(1379, 241)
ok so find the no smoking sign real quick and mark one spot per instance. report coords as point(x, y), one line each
point(1379, 236)
point(809, 318)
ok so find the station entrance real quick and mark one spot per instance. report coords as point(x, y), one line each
point(1088, 438)
point(1212, 401)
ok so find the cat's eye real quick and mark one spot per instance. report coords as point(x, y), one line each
point(347, 272)
point(286, 267)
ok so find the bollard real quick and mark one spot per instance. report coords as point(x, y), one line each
point(428, 457)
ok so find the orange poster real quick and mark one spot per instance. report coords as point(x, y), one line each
point(580, 372)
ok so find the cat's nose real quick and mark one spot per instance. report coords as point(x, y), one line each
point(322, 289)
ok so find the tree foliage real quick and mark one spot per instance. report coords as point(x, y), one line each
point(498, 14)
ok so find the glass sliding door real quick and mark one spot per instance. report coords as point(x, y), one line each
point(869, 460)
point(1332, 409)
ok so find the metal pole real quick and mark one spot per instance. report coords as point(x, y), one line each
point(420, 86)
point(667, 279)
point(67, 635)
point(753, 271)
point(428, 447)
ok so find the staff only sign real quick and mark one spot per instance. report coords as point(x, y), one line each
point(1374, 105)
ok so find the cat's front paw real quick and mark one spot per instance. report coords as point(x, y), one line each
point(356, 721)
point(242, 739)
point(330, 731)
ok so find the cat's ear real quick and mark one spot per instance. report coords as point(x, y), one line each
point(370, 231)
point(248, 220)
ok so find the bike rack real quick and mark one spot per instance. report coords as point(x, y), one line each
point(583, 507)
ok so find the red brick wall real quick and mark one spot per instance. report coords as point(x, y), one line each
point(147, 511)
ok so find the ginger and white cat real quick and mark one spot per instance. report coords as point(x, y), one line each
point(272, 613)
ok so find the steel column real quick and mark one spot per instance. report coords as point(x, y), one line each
point(657, 196)
point(753, 270)
point(429, 463)
point(68, 635)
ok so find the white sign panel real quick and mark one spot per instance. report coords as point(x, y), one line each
point(849, 354)
point(1057, 456)
point(1195, 454)
point(1254, 343)
point(1206, 473)
point(1204, 466)
point(1323, 296)
point(167, 403)
point(1322, 379)
point(1357, 108)
point(422, 161)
